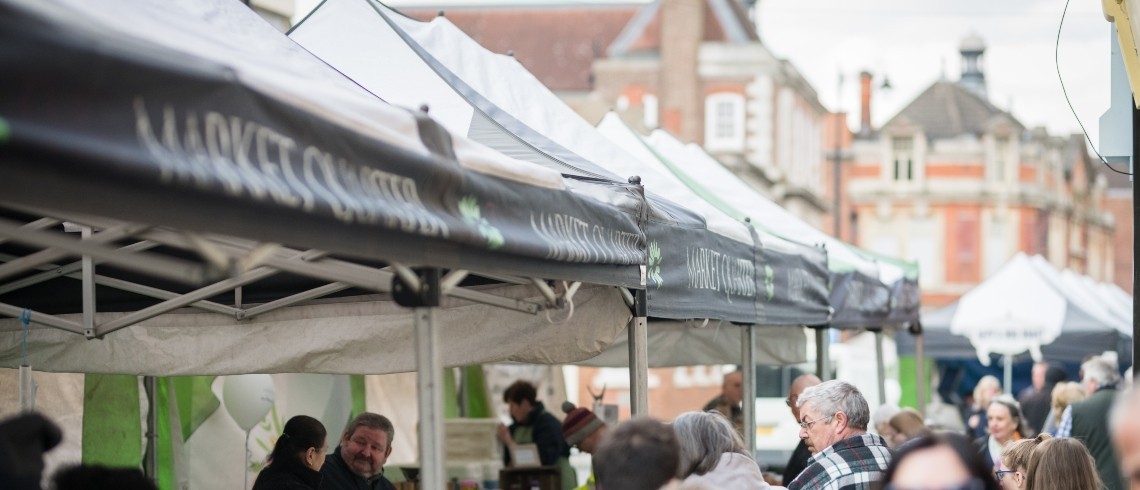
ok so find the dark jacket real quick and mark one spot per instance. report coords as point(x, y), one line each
point(796, 463)
point(1036, 406)
point(338, 476)
point(983, 445)
point(1090, 425)
point(287, 477)
point(547, 432)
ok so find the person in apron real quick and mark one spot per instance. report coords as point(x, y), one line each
point(532, 424)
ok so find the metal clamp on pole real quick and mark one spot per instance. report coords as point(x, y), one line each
point(424, 291)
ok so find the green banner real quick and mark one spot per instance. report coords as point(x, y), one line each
point(112, 423)
point(908, 377)
point(476, 396)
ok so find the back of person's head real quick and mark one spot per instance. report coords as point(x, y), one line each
point(372, 421)
point(831, 397)
point(1100, 371)
point(91, 477)
point(883, 414)
point(938, 455)
point(909, 423)
point(520, 391)
point(300, 433)
point(1016, 454)
point(1054, 374)
point(1065, 394)
point(984, 390)
point(641, 454)
point(1062, 464)
point(704, 437)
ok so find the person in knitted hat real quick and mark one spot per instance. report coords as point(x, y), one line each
point(582, 428)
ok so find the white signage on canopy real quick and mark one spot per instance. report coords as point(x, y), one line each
point(1013, 311)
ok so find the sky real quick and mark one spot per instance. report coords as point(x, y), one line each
point(914, 43)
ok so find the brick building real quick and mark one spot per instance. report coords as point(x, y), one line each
point(960, 186)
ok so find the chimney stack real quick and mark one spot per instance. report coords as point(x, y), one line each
point(865, 103)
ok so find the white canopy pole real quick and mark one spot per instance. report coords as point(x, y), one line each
point(1008, 374)
point(429, 388)
point(638, 357)
point(823, 353)
point(920, 372)
point(880, 367)
point(748, 364)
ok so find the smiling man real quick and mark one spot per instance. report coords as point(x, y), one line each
point(358, 463)
point(833, 424)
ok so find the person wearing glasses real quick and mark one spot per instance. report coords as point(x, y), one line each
point(801, 454)
point(943, 461)
point(1015, 462)
point(833, 422)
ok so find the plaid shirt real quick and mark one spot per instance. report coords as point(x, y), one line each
point(1065, 429)
point(851, 464)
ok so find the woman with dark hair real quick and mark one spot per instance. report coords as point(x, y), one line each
point(1006, 425)
point(296, 460)
point(532, 424)
point(941, 461)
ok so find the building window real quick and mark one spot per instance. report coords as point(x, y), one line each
point(1001, 159)
point(724, 122)
point(649, 105)
point(903, 161)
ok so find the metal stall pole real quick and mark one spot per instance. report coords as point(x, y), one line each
point(748, 364)
point(880, 366)
point(150, 459)
point(1008, 374)
point(920, 372)
point(823, 353)
point(424, 297)
point(638, 357)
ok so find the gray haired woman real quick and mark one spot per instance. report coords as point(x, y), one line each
point(713, 454)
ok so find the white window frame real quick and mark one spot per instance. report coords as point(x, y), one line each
point(716, 138)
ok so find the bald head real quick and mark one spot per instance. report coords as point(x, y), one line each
point(733, 388)
point(801, 383)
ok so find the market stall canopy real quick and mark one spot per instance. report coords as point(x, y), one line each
point(694, 269)
point(795, 286)
point(861, 287)
point(197, 152)
point(1020, 308)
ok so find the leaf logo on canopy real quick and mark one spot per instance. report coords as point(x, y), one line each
point(469, 209)
point(655, 263)
point(769, 281)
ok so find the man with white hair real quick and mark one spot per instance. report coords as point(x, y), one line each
point(833, 423)
point(1087, 420)
point(1126, 435)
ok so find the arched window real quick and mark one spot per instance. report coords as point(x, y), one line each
point(724, 122)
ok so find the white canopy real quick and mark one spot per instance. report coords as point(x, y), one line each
point(1027, 305)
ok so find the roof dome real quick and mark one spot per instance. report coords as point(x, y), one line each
point(972, 43)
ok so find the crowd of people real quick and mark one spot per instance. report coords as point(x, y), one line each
point(1058, 436)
